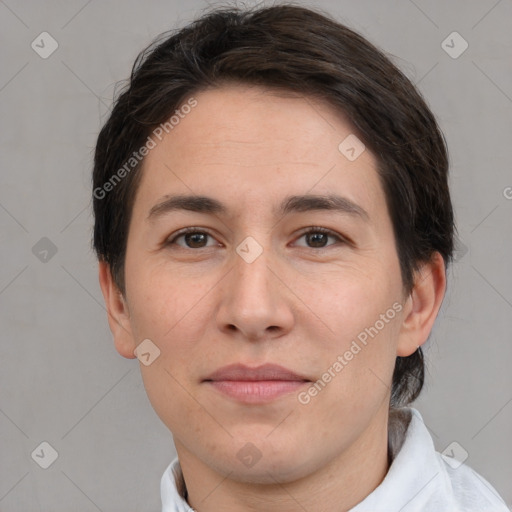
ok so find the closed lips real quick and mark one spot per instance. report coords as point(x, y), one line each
point(267, 372)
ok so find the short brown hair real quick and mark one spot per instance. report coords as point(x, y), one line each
point(300, 50)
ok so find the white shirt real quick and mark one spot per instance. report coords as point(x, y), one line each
point(419, 478)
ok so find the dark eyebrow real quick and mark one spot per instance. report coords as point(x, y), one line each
point(303, 203)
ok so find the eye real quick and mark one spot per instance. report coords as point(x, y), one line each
point(195, 238)
point(318, 237)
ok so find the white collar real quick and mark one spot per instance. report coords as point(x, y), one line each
point(419, 478)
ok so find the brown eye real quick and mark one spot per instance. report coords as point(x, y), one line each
point(317, 237)
point(194, 238)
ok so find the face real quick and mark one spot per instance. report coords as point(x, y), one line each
point(252, 287)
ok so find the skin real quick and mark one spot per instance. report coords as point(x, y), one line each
point(298, 304)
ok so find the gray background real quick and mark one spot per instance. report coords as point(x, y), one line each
point(62, 381)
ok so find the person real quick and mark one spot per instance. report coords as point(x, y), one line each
point(273, 225)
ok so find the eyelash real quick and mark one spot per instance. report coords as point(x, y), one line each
point(314, 229)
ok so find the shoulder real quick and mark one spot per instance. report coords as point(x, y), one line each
point(468, 490)
point(420, 479)
point(458, 487)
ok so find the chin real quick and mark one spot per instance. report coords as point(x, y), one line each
point(262, 463)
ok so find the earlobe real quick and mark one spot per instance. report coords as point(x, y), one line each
point(118, 314)
point(422, 305)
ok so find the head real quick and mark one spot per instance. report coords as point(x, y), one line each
point(250, 107)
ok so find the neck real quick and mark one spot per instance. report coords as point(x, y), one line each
point(340, 484)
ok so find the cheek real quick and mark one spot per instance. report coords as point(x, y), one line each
point(171, 398)
point(158, 301)
point(359, 347)
point(348, 302)
point(356, 378)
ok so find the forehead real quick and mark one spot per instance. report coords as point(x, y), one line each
point(251, 142)
point(236, 119)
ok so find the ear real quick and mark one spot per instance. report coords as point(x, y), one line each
point(118, 314)
point(422, 305)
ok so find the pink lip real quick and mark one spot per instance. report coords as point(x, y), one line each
point(255, 385)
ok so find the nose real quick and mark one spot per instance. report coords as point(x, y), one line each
point(255, 300)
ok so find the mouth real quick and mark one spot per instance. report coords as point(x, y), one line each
point(257, 385)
